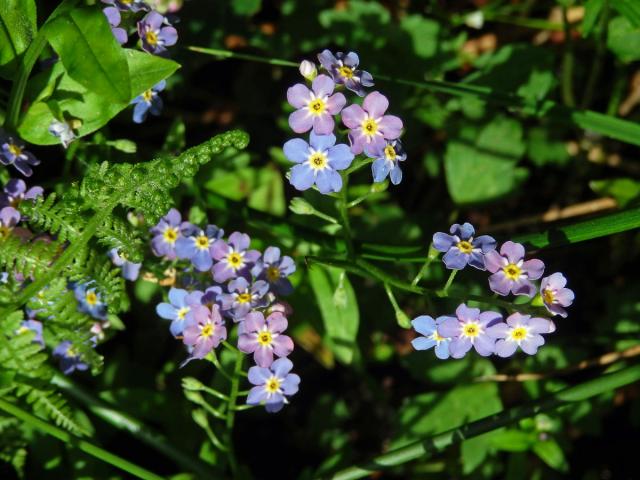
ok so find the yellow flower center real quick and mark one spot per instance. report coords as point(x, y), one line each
point(272, 385)
point(183, 312)
point(512, 271)
point(15, 149)
point(548, 295)
point(345, 72)
point(91, 298)
point(152, 38)
point(71, 352)
point(235, 260)
point(244, 298)
point(471, 330)
point(318, 161)
point(4, 232)
point(265, 338)
point(370, 127)
point(147, 96)
point(273, 273)
point(202, 242)
point(464, 246)
point(22, 330)
point(170, 235)
point(390, 153)
point(436, 336)
point(317, 106)
point(207, 330)
point(518, 334)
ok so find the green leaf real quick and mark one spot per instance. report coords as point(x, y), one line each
point(624, 190)
point(423, 33)
point(624, 39)
point(542, 149)
point(592, 11)
point(585, 230)
point(339, 308)
point(60, 91)
point(513, 440)
point(629, 9)
point(17, 29)
point(246, 7)
point(90, 53)
point(550, 453)
point(486, 169)
point(269, 194)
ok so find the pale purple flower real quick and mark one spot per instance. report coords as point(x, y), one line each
point(234, 258)
point(273, 385)
point(114, 18)
point(343, 68)
point(34, 326)
point(264, 338)
point(166, 233)
point(155, 35)
point(314, 108)
point(387, 162)
point(206, 332)
point(369, 127)
point(308, 70)
point(69, 358)
point(15, 191)
point(130, 270)
point(63, 131)
point(469, 329)
point(428, 327)
point(179, 309)
point(462, 248)
point(318, 162)
point(554, 294)
point(12, 152)
point(520, 331)
point(510, 272)
point(128, 5)
point(196, 245)
point(148, 102)
point(9, 218)
point(244, 297)
point(275, 269)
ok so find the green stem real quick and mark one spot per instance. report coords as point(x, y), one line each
point(401, 317)
point(83, 445)
point(445, 289)
point(343, 203)
point(123, 421)
point(426, 446)
point(231, 409)
point(567, 63)
point(213, 358)
point(596, 64)
point(243, 56)
point(431, 256)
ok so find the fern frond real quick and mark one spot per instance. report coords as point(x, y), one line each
point(116, 233)
point(56, 218)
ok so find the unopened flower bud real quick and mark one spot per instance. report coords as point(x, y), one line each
point(300, 206)
point(308, 70)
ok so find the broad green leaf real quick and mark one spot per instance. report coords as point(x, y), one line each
point(629, 9)
point(585, 230)
point(624, 39)
point(550, 453)
point(624, 190)
point(90, 53)
point(74, 100)
point(339, 308)
point(542, 149)
point(17, 29)
point(486, 169)
point(268, 196)
point(423, 33)
point(592, 11)
point(513, 440)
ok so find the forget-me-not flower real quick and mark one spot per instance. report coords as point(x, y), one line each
point(315, 107)
point(273, 385)
point(148, 102)
point(343, 68)
point(462, 247)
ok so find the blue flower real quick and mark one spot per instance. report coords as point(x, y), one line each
point(244, 297)
point(387, 160)
point(156, 37)
point(128, 5)
point(89, 301)
point(462, 248)
point(148, 102)
point(12, 152)
point(343, 68)
point(114, 18)
point(428, 327)
point(195, 245)
point(69, 358)
point(318, 162)
point(166, 233)
point(130, 270)
point(273, 385)
point(275, 269)
point(63, 131)
point(32, 325)
point(179, 309)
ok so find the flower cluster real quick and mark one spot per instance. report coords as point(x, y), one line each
point(486, 331)
point(370, 131)
point(155, 32)
point(225, 282)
